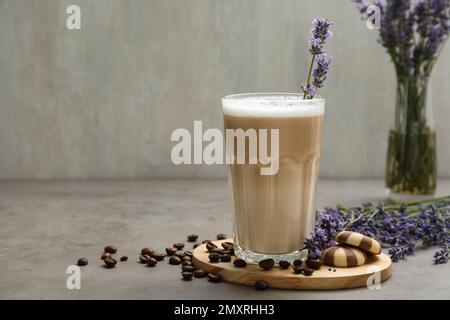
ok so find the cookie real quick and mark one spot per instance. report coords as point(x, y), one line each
point(355, 239)
point(343, 257)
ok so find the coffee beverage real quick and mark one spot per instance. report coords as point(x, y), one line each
point(274, 213)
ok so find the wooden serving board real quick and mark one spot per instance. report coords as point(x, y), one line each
point(323, 278)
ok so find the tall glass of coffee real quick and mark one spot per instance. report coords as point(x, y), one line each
point(274, 213)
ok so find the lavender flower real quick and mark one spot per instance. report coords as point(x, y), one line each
point(399, 228)
point(319, 34)
point(412, 34)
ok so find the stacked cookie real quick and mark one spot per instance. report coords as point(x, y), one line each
point(351, 251)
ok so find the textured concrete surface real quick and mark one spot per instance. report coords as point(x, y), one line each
point(47, 226)
point(102, 101)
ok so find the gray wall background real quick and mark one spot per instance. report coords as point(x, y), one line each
point(102, 101)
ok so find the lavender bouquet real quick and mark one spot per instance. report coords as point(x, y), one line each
point(398, 227)
point(319, 34)
point(413, 33)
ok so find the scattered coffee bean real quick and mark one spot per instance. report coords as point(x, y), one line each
point(298, 269)
point(199, 273)
point(186, 263)
point(188, 268)
point(144, 258)
point(297, 262)
point(147, 252)
point(192, 237)
point(82, 262)
point(188, 254)
point(110, 262)
point(215, 277)
point(334, 270)
point(329, 269)
point(221, 236)
point(105, 255)
point(179, 255)
point(214, 257)
point(210, 246)
point(110, 249)
point(187, 275)
point(227, 245)
point(314, 264)
point(174, 260)
point(284, 264)
point(261, 285)
point(307, 271)
point(225, 258)
point(171, 251)
point(151, 262)
point(124, 258)
point(195, 245)
point(178, 245)
point(205, 241)
point(158, 256)
point(267, 264)
point(216, 250)
point(224, 251)
point(240, 263)
point(186, 258)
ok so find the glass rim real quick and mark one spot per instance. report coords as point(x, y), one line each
point(260, 96)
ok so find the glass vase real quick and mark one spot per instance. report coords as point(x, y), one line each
point(411, 158)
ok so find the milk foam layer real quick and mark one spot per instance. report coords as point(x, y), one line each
point(276, 105)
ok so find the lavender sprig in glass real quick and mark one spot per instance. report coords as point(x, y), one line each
point(319, 34)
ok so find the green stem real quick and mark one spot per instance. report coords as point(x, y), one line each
point(309, 73)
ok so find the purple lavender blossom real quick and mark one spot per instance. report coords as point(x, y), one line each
point(319, 34)
point(412, 34)
point(321, 71)
point(399, 228)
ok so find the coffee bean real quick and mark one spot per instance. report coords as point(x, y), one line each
point(225, 258)
point(110, 262)
point(224, 251)
point(297, 262)
point(178, 245)
point(124, 258)
point(110, 249)
point(179, 255)
point(210, 246)
point(240, 263)
point(158, 256)
point(174, 260)
point(199, 273)
point(284, 264)
point(188, 268)
point(227, 245)
point(147, 252)
point(144, 259)
point(261, 285)
point(105, 255)
point(221, 236)
point(205, 241)
point(82, 262)
point(192, 237)
point(215, 277)
point(195, 245)
point(267, 264)
point(171, 251)
point(214, 257)
point(188, 254)
point(216, 250)
point(186, 263)
point(314, 264)
point(187, 275)
point(298, 269)
point(151, 262)
point(186, 258)
point(307, 271)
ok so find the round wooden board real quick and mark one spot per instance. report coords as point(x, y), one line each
point(342, 278)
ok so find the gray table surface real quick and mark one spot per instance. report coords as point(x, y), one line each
point(46, 226)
